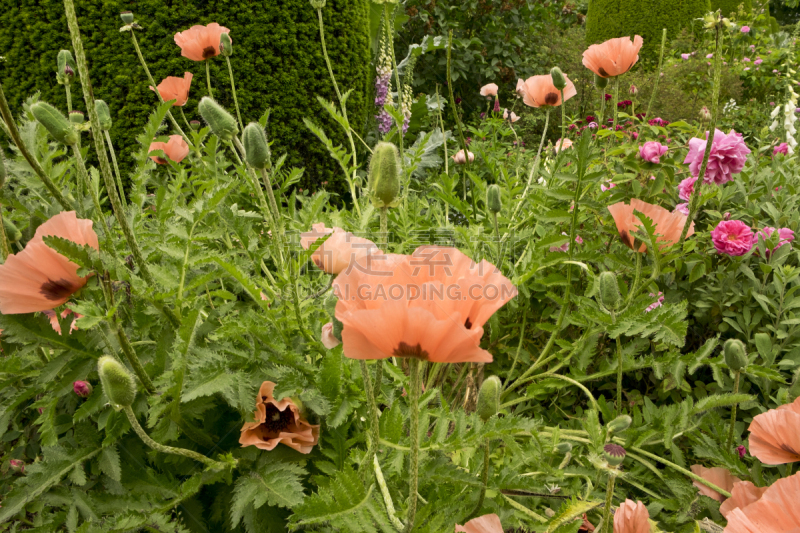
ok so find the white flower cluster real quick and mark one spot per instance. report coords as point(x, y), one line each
point(729, 107)
point(789, 118)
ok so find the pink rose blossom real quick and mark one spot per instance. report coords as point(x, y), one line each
point(758, 61)
point(682, 209)
point(652, 151)
point(728, 156)
point(745, 29)
point(732, 237)
point(686, 188)
point(785, 236)
point(782, 148)
point(658, 303)
point(604, 188)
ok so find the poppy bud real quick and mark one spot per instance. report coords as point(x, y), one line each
point(118, 383)
point(735, 355)
point(488, 398)
point(66, 67)
point(220, 121)
point(12, 232)
point(76, 117)
point(195, 124)
point(633, 90)
point(384, 175)
point(558, 78)
point(256, 148)
point(55, 123)
point(17, 466)
point(82, 388)
point(564, 448)
point(225, 45)
point(127, 17)
point(317, 4)
point(614, 454)
point(103, 114)
point(600, 82)
point(619, 424)
point(493, 201)
point(609, 291)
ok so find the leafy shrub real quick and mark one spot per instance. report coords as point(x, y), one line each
point(731, 6)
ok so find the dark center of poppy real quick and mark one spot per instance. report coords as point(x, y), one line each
point(209, 51)
point(406, 350)
point(468, 323)
point(551, 98)
point(277, 420)
point(602, 72)
point(161, 160)
point(56, 290)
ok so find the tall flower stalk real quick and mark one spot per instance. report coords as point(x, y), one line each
point(658, 74)
point(413, 435)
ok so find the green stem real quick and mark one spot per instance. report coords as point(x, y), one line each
point(133, 359)
point(276, 212)
point(185, 120)
point(683, 471)
point(208, 79)
point(636, 277)
point(616, 101)
point(4, 248)
point(233, 90)
point(608, 526)
point(563, 123)
point(413, 435)
point(87, 183)
point(116, 168)
point(372, 407)
point(484, 478)
point(69, 98)
point(619, 376)
point(534, 168)
point(554, 376)
point(729, 443)
point(497, 236)
point(387, 497)
point(658, 73)
point(384, 213)
point(460, 128)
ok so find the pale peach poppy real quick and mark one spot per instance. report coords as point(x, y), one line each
point(38, 278)
point(541, 92)
point(175, 149)
point(513, 116)
point(721, 477)
point(669, 225)
point(520, 90)
point(775, 512)
point(489, 90)
point(632, 517)
point(459, 158)
point(199, 43)
point(341, 251)
point(329, 340)
point(743, 494)
point(613, 57)
point(278, 422)
point(488, 523)
point(173, 88)
point(775, 435)
point(431, 305)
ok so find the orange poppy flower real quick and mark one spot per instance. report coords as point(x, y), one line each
point(632, 517)
point(173, 88)
point(38, 278)
point(539, 91)
point(776, 512)
point(743, 494)
point(278, 422)
point(721, 477)
point(199, 43)
point(613, 57)
point(431, 305)
point(488, 523)
point(775, 435)
point(175, 149)
point(668, 224)
point(341, 251)
point(329, 340)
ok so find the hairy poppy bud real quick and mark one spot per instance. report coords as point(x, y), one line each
point(705, 114)
point(55, 123)
point(82, 388)
point(488, 401)
point(317, 4)
point(735, 355)
point(103, 114)
point(559, 81)
point(127, 17)
point(195, 124)
point(384, 175)
point(220, 121)
point(614, 454)
point(76, 117)
point(493, 201)
point(12, 232)
point(619, 424)
point(256, 148)
point(118, 383)
point(225, 45)
point(564, 447)
point(600, 82)
point(66, 67)
point(609, 291)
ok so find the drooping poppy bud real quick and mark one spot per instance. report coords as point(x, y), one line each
point(12, 232)
point(225, 45)
point(66, 67)
point(55, 123)
point(609, 291)
point(384, 175)
point(317, 4)
point(600, 82)
point(619, 424)
point(118, 383)
point(735, 354)
point(103, 114)
point(220, 121)
point(77, 117)
point(82, 388)
point(488, 401)
point(493, 201)
point(558, 78)
point(614, 454)
point(563, 448)
point(256, 147)
point(127, 17)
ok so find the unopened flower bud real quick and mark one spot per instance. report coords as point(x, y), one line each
point(493, 201)
point(384, 175)
point(256, 147)
point(127, 17)
point(633, 91)
point(726, 216)
point(118, 383)
point(82, 388)
point(103, 114)
point(735, 355)
point(609, 291)
point(317, 4)
point(705, 114)
point(563, 448)
point(12, 231)
point(488, 401)
point(558, 78)
point(77, 117)
point(195, 124)
point(600, 82)
point(619, 424)
point(17, 466)
point(614, 454)
point(225, 45)
point(55, 123)
point(220, 121)
point(66, 66)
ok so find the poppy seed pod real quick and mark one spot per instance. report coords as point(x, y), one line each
point(614, 454)
point(55, 123)
point(76, 117)
point(609, 291)
point(103, 114)
point(66, 67)
point(220, 121)
point(488, 398)
point(317, 4)
point(619, 424)
point(225, 45)
point(558, 78)
point(600, 82)
point(12, 232)
point(563, 448)
point(127, 17)
point(256, 147)
point(735, 354)
point(118, 383)
point(195, 124)
point(384, 174)
point(493, 201)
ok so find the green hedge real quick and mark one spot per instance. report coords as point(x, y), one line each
point(277, 63)
point(731, 6)
point(607, 19)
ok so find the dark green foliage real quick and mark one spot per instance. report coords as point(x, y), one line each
point(607, 19)
point(731, 6)
point(277, 64)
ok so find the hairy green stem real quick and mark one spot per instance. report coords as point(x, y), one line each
point(563, 122)
point(484, 478)
point(553, 375)
point(69, 98)
point(4, 248)
point(616, 102)
point(116, 168)
point(658, 73)
point(413, 435)
point(233, 90)
point(384, 214)
point(608, 522)
point(387, 497)
point(84, 175)
point(619, 375)
point(534, 170)
point(208, 79)
point(372, 407)
point(729, 442)
point(133, 359)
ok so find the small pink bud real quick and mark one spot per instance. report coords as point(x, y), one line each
point(82, 388)
point(17, 466)
point(726, 216)
point(741, 450)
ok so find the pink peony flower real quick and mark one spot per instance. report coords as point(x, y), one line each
point(728, 156)
point(682, 209)
point(745, 29)
point(732, 237)
point(686, 188)
point(782, 148)
point(652, 151)
point(658, 303)
point(785, 236)
point(605, 188)
point(82, 388)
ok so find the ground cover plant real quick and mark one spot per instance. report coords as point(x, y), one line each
point(593, 333)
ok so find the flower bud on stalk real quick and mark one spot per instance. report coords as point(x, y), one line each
point(633, 90)
point(220, 121)
point(493, 201)
point(735, 355)
point(13, 234)
point(55, 123)
point(225, 45)
point(103, 114)
point(384, 175)
point(127, 17)
point(66, 67)
point(317, 4)
point(256, 147)
point(17, 466)
point(619, 424)
point(563, 447)
point(76, 117)
point(488, 401)
point(558, 78)
point(82, 388)
point(614, 454)
point(609, 291)
point(118, 383)
point(600, 82)
point(195, 124)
